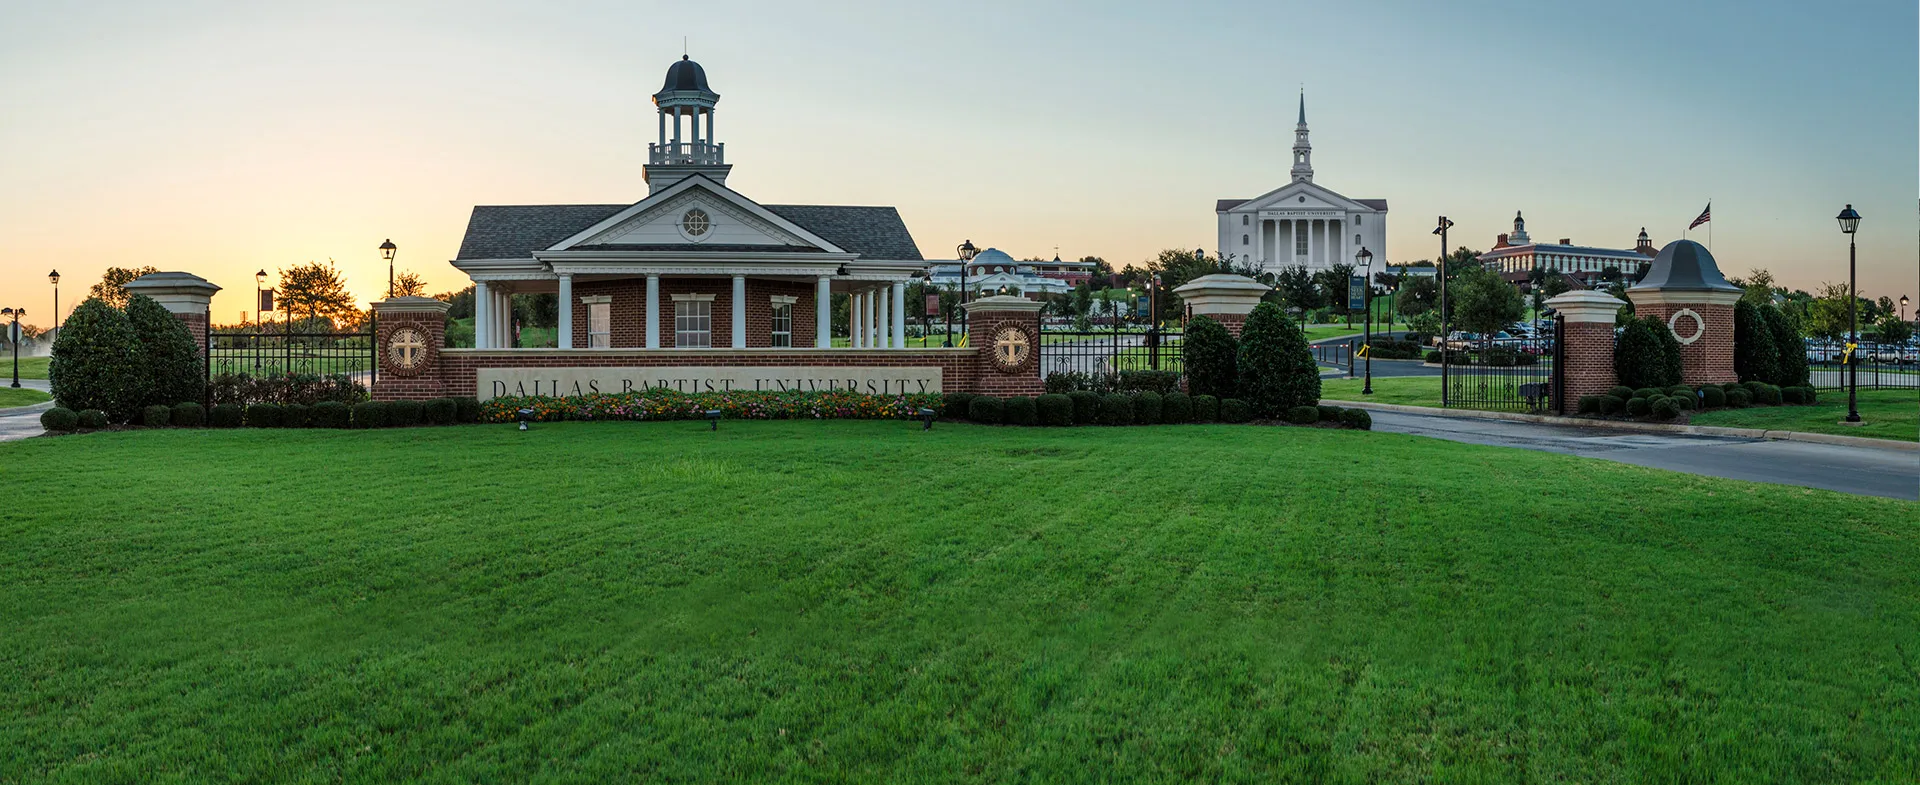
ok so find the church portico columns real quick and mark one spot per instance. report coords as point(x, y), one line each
point(482, 298)
point(822, 312)
point(653, 311)
point(565, 335)
point(739, 326)
point(880, 319)
point(899, 314)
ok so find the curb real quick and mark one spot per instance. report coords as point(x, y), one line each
point(1647, 427)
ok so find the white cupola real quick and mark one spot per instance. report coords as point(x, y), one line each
point(684, 102)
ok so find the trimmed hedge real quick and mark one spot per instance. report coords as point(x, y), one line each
point(1206, 408)
point(1639, 407)
point(1161, 382)
point(1329, 413)
point(370, 414)
point(1357, 418)
point(1664, 408)
point(60, 418)
point(1146, 408)
point(1713, 397)
point(956, 405)
point(1208, 353)
point(1116, 409)
point(1684, 403)
point(1303, 415)
point(1054, 409)
point(1739, 399)
point(1679, 389)
point(174, 370)
point(1276, 369)
point(1236, 411)
point(227, 415)
point(263, 415)
point(156, 416)
point(1086, 407)
point(984, 409)
point(1646, 392)
point(1019, 410)
point(1790, 367)
point(1755, 357)
point(1647, 354)
point(440, 411)
point(1176, 408)
point(1767, 395)
point(1589, 404)
point(96, 361)
point(1613, 404)
point(332, 414)
point(189, 415)
point(404, 414)
point(296, 415)
point(468, 410)
point(1622, 393)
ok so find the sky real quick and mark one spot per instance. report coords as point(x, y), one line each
point(220, 138)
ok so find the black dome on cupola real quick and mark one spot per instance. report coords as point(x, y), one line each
point(685, 78)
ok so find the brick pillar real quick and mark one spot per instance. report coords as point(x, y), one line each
point(1005, 335)
point(1703, 323)
point(1587, 342)
point(186, 295)
point(407, 343)
point(1226, 298)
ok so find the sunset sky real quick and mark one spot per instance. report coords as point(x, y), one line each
point(223, 137)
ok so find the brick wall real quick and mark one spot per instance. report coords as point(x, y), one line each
point(196, 325)
point(1589, 355)
point(1709, 359)
point(458, 369)
point(627, 312)
point(989, 378)
point(423, 382)
point(1234, 322)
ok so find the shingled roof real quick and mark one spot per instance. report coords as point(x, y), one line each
point(517, 231)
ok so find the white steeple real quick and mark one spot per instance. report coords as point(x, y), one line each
point(1519, 236)
point(1302, 149)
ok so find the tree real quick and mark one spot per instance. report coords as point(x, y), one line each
point(1647, 354)
point(1826, 315)
point(409, 284)
point(1102, 272)
point(460, 303)
point(1332, 284)
point(1610, 274)
point(1418, 296)
point(1556, 285)
point(317, 291)
point(112, 286)
point(1483, 303)
point(1791, 364)
point(1209, 355)
point(1175, 267)
point(170, 360)
point(1296, 289)
point(1758, 287)
point(96, 361)
point(1755, 358)
point(1893, 329)
point(1276, 371)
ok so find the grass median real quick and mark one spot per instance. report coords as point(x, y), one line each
point(806, 602)
point(1885, 414)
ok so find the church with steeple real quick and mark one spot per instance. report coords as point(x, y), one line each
point(1301, 223)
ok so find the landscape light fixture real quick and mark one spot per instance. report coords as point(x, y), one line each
point(926, 419)
point(713, 419)
point(386, 252)
point(1850, 223)
point(524, 415)
point(13, 334)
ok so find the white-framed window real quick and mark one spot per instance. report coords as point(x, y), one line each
point(695, 223)
point(1300, 243)
point(1246, 239)
point(599, 324)
point(1357, 219)
point(693, 321)
point(782, 332)
point(1356, 238)
point(1244, 219)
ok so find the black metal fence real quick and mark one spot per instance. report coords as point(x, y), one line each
point(1102, 352)
point(259, 354)
point(1337, 355)
point(1879, 366)
point(1516, 375)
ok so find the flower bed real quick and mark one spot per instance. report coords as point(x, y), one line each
point(662, 404)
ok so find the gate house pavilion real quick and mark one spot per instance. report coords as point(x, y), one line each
point(695, 264)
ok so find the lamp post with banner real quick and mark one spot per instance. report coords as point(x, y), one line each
point(1440, 267)
point(1364, 261)
point(966, 252)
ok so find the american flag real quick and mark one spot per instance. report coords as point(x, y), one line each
point(1705, 216)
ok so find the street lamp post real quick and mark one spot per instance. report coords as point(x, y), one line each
point(1903, 306)
point(13, 334)
point(1365, 260)
point(1441, 268)
point(966, 252)
point(54, 278)
point(387, 250)
point(259, 280)
point(1850, 223)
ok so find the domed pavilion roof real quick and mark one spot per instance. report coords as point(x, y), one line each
point(1685, 265)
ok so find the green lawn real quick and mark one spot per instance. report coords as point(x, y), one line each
point(800, 602)
point(1888, 414)
point(10, 397)
point(30, 368)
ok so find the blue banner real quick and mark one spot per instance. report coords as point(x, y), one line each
point(1356, 293)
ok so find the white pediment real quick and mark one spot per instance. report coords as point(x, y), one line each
point(1301, 196)
point(697, 212)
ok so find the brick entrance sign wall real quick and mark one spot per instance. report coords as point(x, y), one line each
point(1685, 290)
point(996, 326)
point(1587, 342)
point(409, 338)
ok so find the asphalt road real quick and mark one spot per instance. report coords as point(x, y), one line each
point(1863, 471)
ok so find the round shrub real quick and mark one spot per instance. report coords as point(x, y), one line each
point(1054, 409)
point(404, 414)
point(1739, 399)
point(1116, 409)
point(296, 415)
point(1276, 370)
point(227, 415)
point(1684, 403)
point(1236, 411)
point(1622, 393)
point(1646, 392)
point(1730, 386)
point(1433, 356)
point(370, 414)
point(1176, 408)
point(984, 409)
point(1329, 413)
point(1613, 404)
point(1713, 397)
point(332, 414)
point(1019, 410)
point(440, 411)
point(1664, 408)
point(1356, 418)
point(1808, 396)
point(1304, 415)
point(1589, 404)
point(189, 415)
point(468, 410)
point(1790, 395)
point(1086, 407)
point(1146, 408)
point(1639, 407)
point(93, 419)
point(955, 405)
point(59, 418)
point(1209, 352)
point(1206, 408)
point(96, 361)
point(174, 370)
point(1647, 354)
point(1678, 389)
point(1768, 395)
point(263, 415)
point(156, 416)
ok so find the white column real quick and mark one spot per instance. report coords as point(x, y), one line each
point(853, 318)
point(653, 311)
point(1339, 230)
point(899, 314)
point(864, 325)
point(663, 128)
point(676, 129)
point(880, 320)
point(481, 314)
point(823, 313)
point(739, 306)
point(696, 128)
point(565, 333)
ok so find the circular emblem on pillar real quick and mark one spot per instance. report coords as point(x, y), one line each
point(1010, 348)
point(1699, 326)
point(406, 349)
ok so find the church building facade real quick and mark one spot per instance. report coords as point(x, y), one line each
point(1301, 223)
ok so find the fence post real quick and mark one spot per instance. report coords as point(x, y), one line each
point(1585, 364)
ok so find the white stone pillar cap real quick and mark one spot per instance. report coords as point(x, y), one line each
point(177, 292)
point(1222, 293)
point(411, 304)
point(1586, 305)
point(1004, 302)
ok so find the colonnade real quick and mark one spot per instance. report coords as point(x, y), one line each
point(877, 317)
point(1326, 238)
point(877, 314)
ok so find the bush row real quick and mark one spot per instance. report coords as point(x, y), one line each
point(1666, 403)
point(326, 414)
point(288, 388)
point(1161, 382)
point(665, 404)
point(1083, 407)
